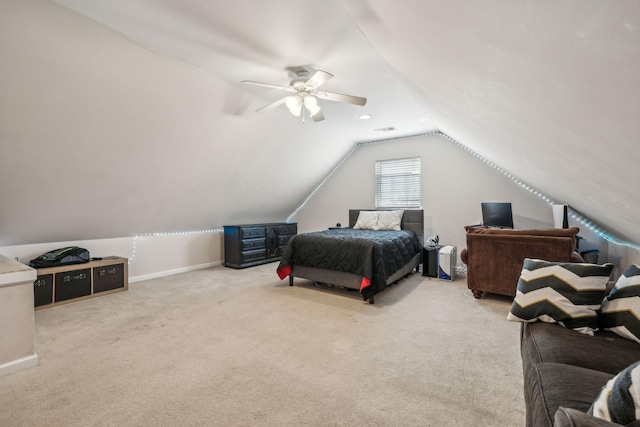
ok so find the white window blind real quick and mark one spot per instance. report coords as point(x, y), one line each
point(398, 183)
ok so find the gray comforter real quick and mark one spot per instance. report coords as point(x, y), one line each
point(374, 255)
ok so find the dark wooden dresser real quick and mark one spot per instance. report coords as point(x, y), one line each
point(253, 244)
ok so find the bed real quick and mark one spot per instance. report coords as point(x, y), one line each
point(360, 257)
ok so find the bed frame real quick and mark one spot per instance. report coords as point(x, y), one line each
point(411, 220)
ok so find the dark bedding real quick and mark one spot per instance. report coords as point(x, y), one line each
point(374, 255)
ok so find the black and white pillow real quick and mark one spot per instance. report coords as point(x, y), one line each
point(566, 293)
point(621, 308)
point(619, 399)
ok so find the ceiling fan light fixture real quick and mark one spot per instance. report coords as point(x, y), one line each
point(311, 104)
point(294, 104)
point(305, 88)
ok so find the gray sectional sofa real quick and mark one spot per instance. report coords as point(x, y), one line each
point(566, 369)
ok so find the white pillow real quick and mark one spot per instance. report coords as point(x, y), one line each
point(390, 220)
point(379, 220)
point(367, 220)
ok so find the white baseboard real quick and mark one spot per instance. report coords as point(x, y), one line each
point(461, 270)
point(174, 271)
point(18, 365)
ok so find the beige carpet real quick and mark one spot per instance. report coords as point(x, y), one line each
point(224, 347)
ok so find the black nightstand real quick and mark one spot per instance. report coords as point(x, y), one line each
point(430, 261)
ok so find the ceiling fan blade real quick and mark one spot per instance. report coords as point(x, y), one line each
point(287, 88)
point(272, 105)
point(318, 78)
point(318, 117)
point(338, 97)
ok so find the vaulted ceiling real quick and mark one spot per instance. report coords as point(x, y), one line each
point(548, 90)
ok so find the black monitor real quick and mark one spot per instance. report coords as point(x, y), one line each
point(497, 214)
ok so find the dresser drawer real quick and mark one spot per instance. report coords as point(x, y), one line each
point(288, 229)
point(250, 232)
point(283, 240)
point(254, 255)
point(249, 244)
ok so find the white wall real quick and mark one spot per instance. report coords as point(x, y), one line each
point(454, 183)
point(102, 138)
point(150, 256)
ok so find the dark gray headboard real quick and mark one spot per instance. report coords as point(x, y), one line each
point(412, 219)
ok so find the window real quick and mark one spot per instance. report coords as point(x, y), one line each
point(398, 183)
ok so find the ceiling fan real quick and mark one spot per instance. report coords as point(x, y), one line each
point(305, 94)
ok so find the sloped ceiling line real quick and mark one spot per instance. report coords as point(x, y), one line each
point(597, 229)
point(344, 159)
point(566, 69)
point(574, 214)
point(600, 231)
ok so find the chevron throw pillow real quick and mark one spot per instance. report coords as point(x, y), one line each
point(619, 399)
point(569, 294)
point(620, 310)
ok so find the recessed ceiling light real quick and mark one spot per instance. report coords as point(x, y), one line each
point(365, 116)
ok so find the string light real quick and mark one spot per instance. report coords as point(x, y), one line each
point(344, 159)
point(575, 215)
point(598, 230)
point(176, 233)
point(586, 222)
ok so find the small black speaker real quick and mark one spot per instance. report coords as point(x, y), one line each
point(430, 261)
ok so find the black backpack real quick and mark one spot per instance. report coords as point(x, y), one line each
point(62, 256)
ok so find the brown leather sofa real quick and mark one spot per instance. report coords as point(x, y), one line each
point(494, 256)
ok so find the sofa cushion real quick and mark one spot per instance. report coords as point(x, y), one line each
point(566, 293)
point(550, 232)
point(619, 399)
point(555, 385)
point(621, 308)
point(547, 342)
point(550, 344)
